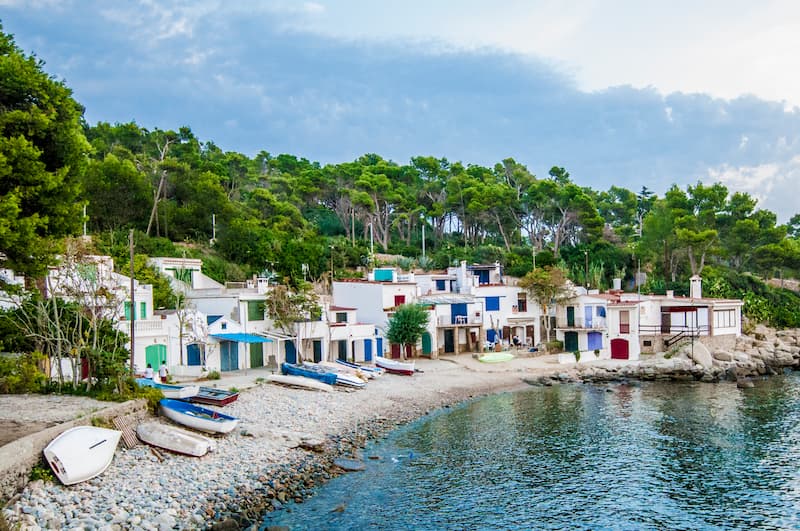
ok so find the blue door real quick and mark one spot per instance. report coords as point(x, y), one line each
point(379, 343)
point(587, 312)
point(458, 313)
point(595, 341)
point(291, 352)
point(367, 350)
point(193, 354)
point(229, 356)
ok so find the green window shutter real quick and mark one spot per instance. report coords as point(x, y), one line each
point(142, 310)
point(255, 311)
point(127, 310)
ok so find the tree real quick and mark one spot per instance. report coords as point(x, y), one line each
point(548, 287)
point(407, 325)
point(289, 308)
point(42, 155)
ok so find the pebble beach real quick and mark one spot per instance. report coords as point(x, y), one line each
point(284, 447)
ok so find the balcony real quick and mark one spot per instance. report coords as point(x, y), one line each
point(459, 320)
point(595, 323)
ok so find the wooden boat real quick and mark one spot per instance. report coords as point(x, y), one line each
point(81, 453)
point(170, 391)
point(339, 368)
point(394, 366)
point(371, 372)
point(343, 376)
point(214, 396)
point(496, 357)
point(316, 373)
point(197, 417)
point(299, 381)
point(175, 439)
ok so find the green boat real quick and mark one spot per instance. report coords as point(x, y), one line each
point(496, 357)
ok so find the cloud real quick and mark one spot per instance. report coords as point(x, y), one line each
point(773, 184)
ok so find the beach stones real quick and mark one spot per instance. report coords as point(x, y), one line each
point(349, 465)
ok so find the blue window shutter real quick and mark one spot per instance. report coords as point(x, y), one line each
point(492, 304)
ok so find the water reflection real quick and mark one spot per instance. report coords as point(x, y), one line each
point(655, 456)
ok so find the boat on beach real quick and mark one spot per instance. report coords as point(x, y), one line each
point(395, 367)
point(197, 417)
point(81, 453)
point(214, 396)
point(344, 377)
point(170, 391)
point(371, 372)
point(175, 439)
point(315, 373)
point(496, 357)
point(299, 381)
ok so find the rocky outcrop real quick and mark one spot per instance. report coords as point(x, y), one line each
point(767, 352)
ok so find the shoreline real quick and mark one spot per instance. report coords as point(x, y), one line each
point(289, 438)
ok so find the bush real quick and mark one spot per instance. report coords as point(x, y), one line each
point(577, 355)
point(554, 346)
point(213, 375)
point(21, 374)
point(41, 470)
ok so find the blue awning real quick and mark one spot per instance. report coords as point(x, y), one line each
point(242, 338)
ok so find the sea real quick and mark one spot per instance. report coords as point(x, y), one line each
point(624, 456)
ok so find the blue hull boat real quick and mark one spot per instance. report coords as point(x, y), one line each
point(309, 372)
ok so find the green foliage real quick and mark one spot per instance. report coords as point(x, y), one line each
point(21, 373)
point(577, 355)
point(234, 389)
point(554, 346)
point(41, 471)
point(407, 325)
point(42, 154)
point(213, 375)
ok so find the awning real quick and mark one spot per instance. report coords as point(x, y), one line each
point(242, 338)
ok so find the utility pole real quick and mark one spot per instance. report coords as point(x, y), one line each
point(586, 267)
point(133, 302)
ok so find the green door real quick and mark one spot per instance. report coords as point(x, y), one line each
point(256, 354)
point(154, 355)
point(427, 348)
point(570, 341)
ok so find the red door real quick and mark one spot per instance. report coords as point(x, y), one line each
point(619, 349)
point(395, 351)
point(399, 299)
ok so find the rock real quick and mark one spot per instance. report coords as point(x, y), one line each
point(744, 383)
point(315, 445)
point(349, 465)
point(229, 524)
point(721, 355)
point(701, 355)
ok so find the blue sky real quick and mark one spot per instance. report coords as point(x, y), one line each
point(622, 92)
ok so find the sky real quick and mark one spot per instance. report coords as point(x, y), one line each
point(618, 92)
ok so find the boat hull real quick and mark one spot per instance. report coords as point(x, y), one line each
point(395, 367)
point(196, 417)
point(299, 381)
point(175, 439)
point(81, 453)
point(496, 357)
point(345, 376)
point(176, 392)
point(214, 397)
point(316, 374)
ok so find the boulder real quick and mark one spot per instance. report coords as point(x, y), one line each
point(701, 355)
point(721, 355)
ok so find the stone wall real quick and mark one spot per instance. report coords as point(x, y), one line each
point(17, 458)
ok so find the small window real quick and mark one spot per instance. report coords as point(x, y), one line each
point(341, 317)
point(143, 310)
point(492, 304)
point(440, 285)
point(648, 343)
point(522, 302)
point(224, 326)
point(127, 310)
point(255, 311)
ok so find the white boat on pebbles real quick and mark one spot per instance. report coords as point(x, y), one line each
point(299, 381)
point(175, 439)
point(81, 453)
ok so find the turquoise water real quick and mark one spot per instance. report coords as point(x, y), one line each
point(650, 456)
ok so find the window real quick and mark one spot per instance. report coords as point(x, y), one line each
point(127, 310)
point(399, 299)
point(341, 317)
point(492, 304)
point(255, 311)
point(601, 311)
point(440, 285)
point(724, 318)
point(143, 310)
point(624, 322)
point(223, 326)
point(648, 343)
point(522, 302)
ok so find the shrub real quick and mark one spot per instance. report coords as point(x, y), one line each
point(554, 346)
point(21, 374)
point(577, 355)
point(41, 470)
point(213, 375)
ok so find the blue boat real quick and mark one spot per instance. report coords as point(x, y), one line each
point(170, 391)
point(197, 417)
point(309, 372)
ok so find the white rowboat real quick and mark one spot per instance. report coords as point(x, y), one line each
point(81, 453)
point(175, 439)
point(299, 381)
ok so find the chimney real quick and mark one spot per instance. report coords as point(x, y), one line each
point(617, 284)
point(696, 287)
